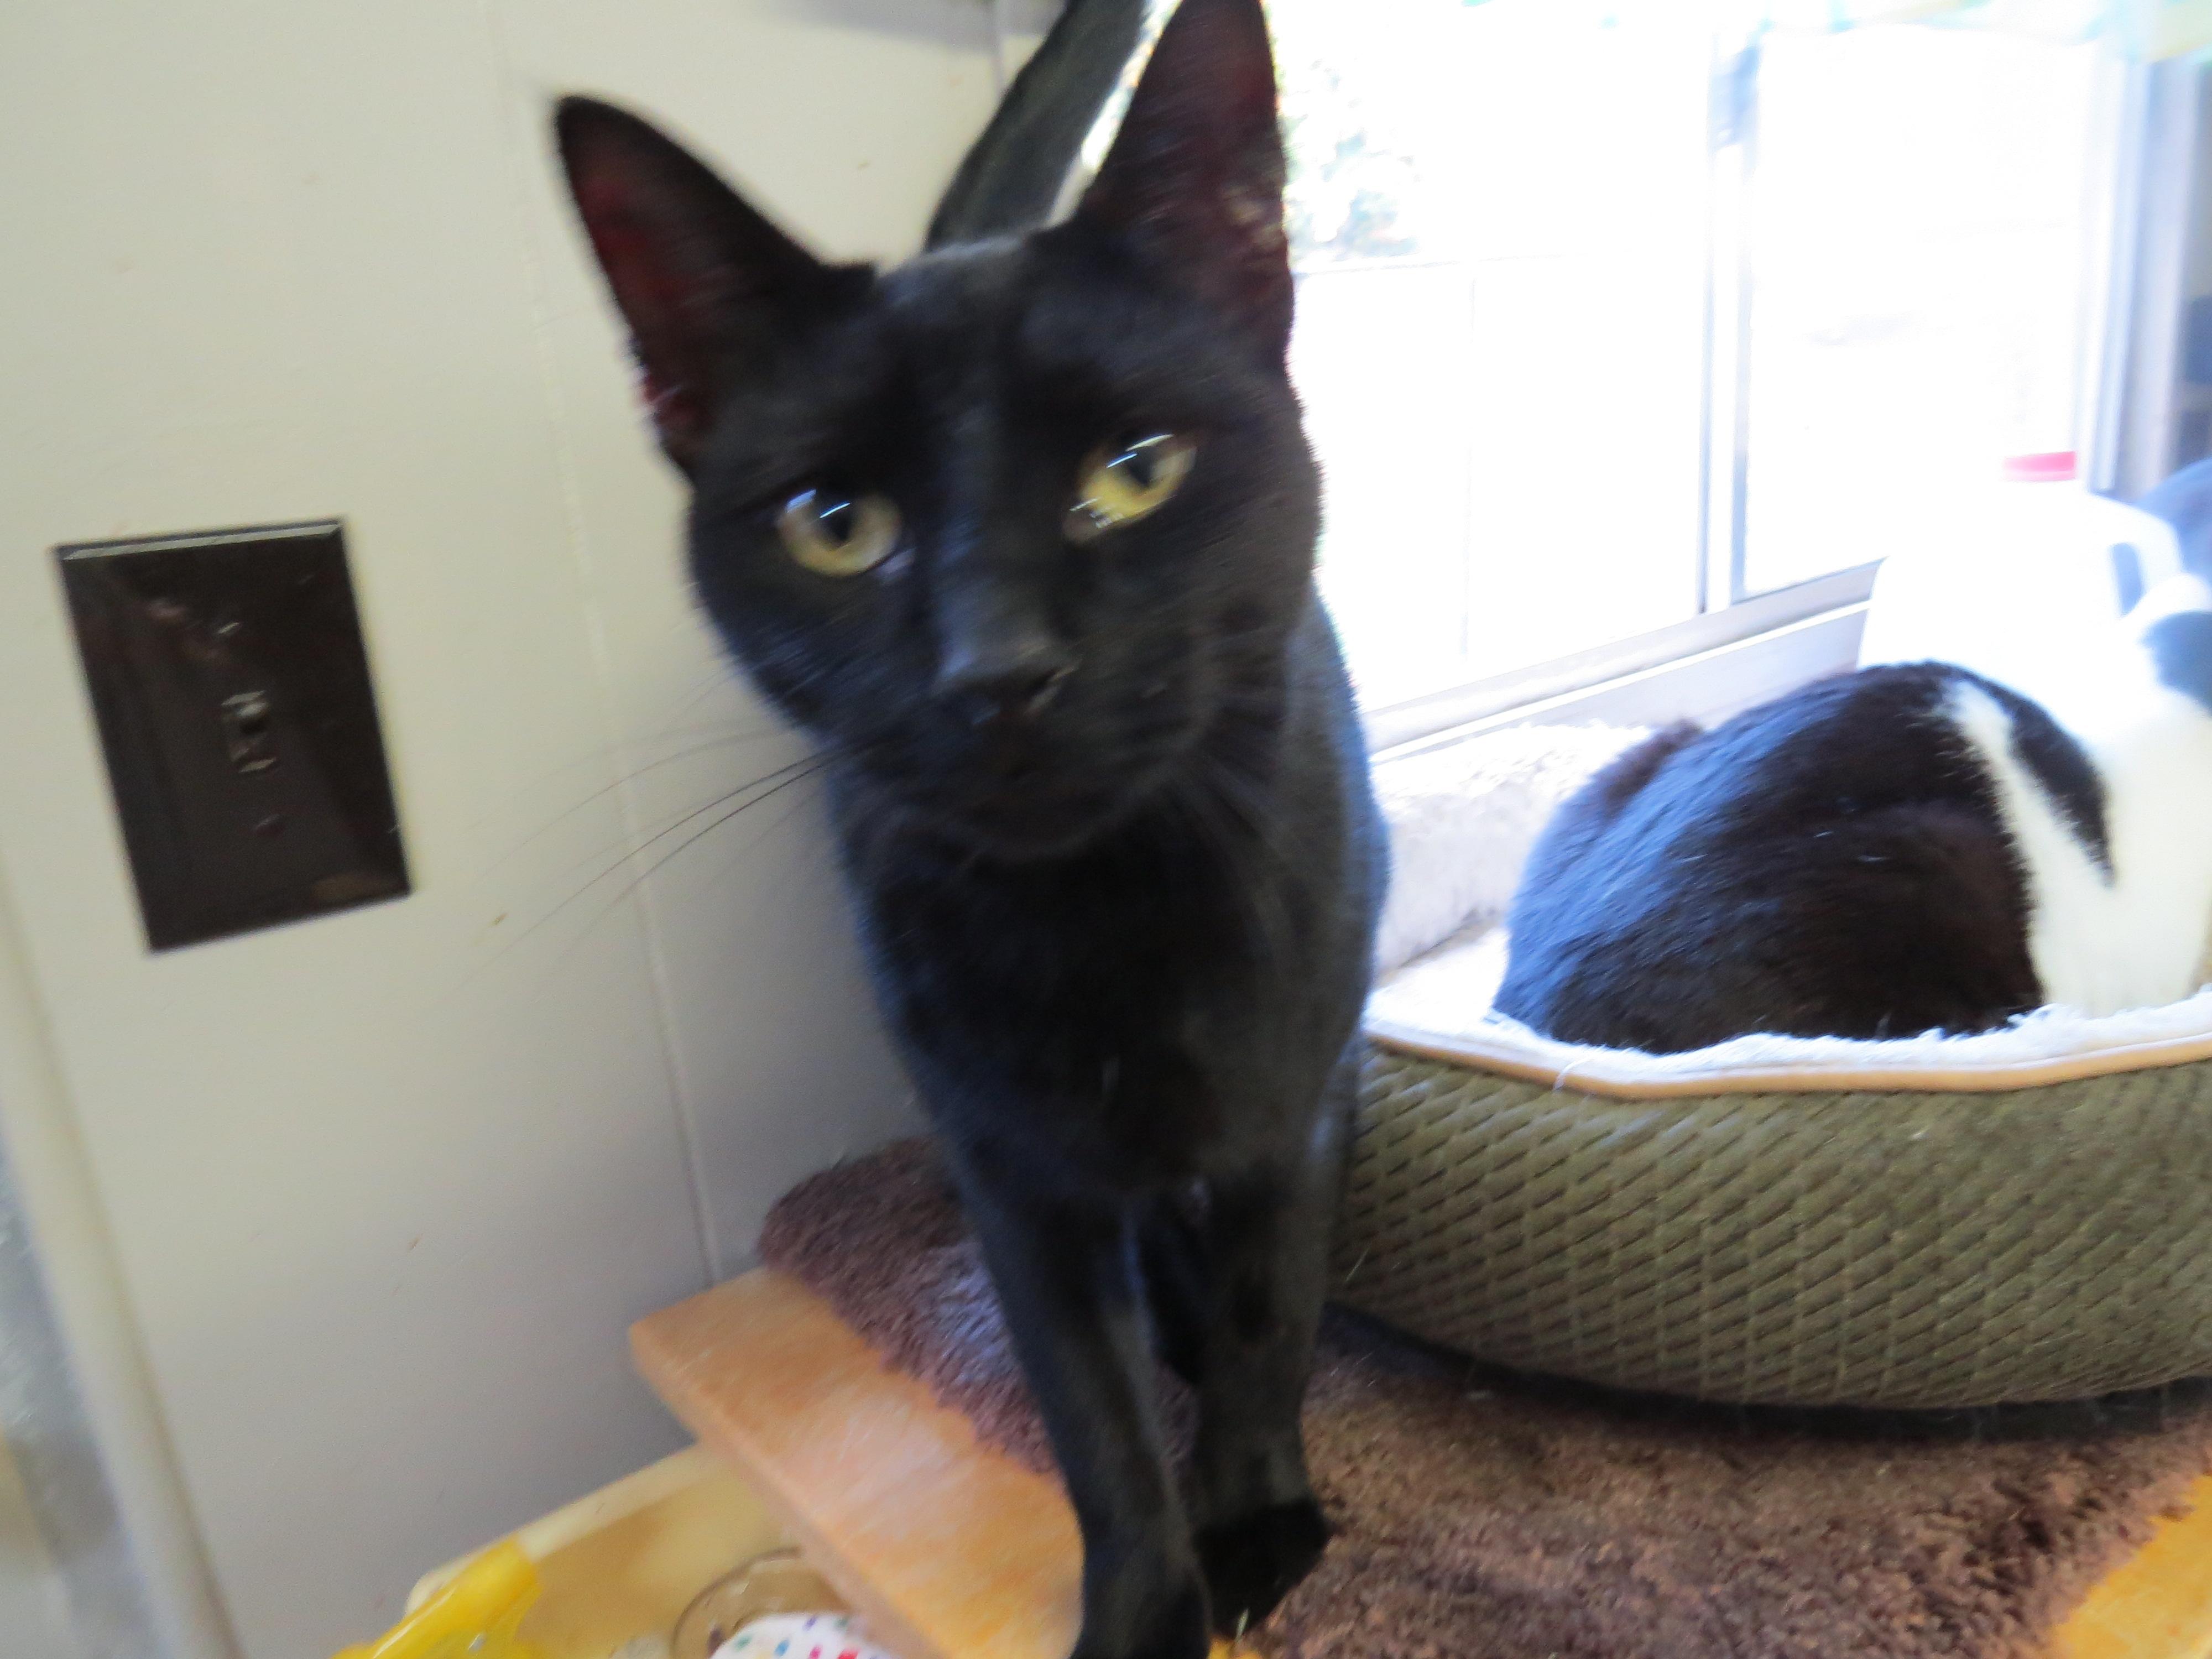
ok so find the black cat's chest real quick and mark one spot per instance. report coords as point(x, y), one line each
point(1100, 1010)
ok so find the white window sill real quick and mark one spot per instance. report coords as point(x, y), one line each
point(1705, 685)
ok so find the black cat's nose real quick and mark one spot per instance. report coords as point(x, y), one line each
point(1004, 690)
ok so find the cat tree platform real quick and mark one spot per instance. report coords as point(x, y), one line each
point(954, 1551)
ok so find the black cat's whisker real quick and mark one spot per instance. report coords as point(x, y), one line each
point(598, 755)
point(739, 854)
point(643, 876)
point(797, 773)
point(708, 737)
point(670, 824)
point(704, 689)
point(761, 733)
point(626, 778)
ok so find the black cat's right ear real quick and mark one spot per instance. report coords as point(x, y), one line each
point(708, 286)
point(1194, 181)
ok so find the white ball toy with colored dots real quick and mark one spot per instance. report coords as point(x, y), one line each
point(802, 1636)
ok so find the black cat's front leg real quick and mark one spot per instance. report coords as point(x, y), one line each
point(1065, 1272)
point(1259, 1529)
point(1172, 1257)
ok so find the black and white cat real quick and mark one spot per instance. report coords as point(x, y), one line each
point(1908, 849)
point(1021, 532)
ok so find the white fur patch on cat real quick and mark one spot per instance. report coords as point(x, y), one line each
point(2135, 939)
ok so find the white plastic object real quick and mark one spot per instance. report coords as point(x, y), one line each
point(2015, 580)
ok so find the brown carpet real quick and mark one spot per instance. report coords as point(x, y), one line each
point(1485, 1516)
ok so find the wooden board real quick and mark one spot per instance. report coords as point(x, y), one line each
point(2159, 1605)
point(948, 1550)
point(951, 1552)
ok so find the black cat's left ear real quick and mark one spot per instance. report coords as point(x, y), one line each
point(709, 287)
point(1195, 178)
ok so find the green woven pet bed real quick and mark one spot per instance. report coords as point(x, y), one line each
point(2022, 1215)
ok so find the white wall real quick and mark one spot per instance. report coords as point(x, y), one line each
point(383, 1189)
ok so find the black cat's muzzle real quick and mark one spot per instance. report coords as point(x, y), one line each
point(1032, 788)
point(1005, 702)
point(1021, 759)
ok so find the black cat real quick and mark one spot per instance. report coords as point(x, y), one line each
point(1023, 532)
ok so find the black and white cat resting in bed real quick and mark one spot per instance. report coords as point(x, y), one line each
point(1907, 849)
point(1021, 531)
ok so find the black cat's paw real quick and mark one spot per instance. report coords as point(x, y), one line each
point(1254, 1561)
point(1172, 1628)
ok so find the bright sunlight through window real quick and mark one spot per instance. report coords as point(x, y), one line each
point(1608, 317)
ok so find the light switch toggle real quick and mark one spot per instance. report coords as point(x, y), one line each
point(246, 731)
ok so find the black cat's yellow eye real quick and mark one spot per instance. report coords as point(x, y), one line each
point(1121, 482)
point(836, 534)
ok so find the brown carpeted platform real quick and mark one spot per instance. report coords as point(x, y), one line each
point(1483, 1515)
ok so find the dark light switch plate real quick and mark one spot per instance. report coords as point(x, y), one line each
point(234, 705)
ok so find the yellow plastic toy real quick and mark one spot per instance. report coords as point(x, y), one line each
point(479, 1614)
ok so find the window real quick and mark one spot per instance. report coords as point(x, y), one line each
point(1922, 204)
point(1621, 335)
point(1501, 325)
